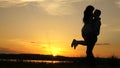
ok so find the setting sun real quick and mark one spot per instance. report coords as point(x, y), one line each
point(55, 51)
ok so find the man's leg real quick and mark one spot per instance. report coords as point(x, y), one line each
point(90, 57)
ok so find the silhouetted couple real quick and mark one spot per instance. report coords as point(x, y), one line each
point(90, 31)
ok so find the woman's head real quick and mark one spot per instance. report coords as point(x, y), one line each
point(89, 9)
point(88, 13)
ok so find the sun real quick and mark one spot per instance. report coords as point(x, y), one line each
point(54, 51)
point(54, 54)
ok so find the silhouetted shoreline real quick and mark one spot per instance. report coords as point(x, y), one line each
point(36, 57)
point(55, 61)
point(22, 57)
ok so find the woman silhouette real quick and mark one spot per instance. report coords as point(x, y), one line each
point(90, 31)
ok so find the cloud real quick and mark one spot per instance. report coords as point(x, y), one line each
point(27, 42)
point(104, 25)
point(9, 3)
point(22, 42)
point(52, 7)
point(118, 3)
point(116, 29)
point(6, 50)
point(103, 44)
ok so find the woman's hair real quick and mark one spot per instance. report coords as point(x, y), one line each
point(88, 14)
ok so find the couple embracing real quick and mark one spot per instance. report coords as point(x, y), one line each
point(90, 31)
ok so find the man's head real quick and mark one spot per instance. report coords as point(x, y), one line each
point(97, 13)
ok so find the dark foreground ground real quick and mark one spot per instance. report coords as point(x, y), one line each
point(18, 61)
point(53, 65)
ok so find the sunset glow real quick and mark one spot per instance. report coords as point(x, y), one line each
point(55, 51)
point(49, 26)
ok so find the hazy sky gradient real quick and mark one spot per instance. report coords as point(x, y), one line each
point(49, 26)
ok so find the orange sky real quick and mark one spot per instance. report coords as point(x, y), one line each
point(49, 26)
